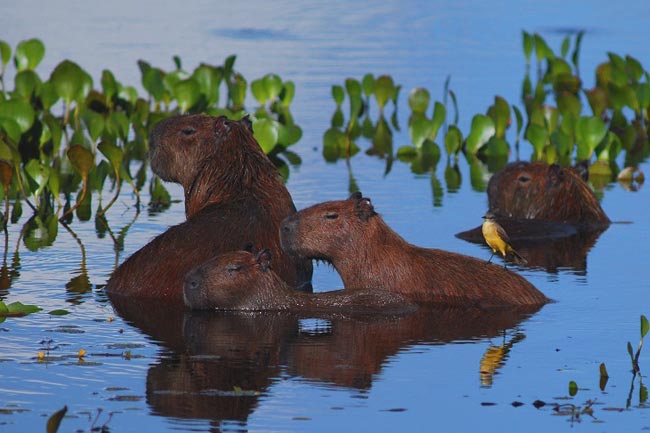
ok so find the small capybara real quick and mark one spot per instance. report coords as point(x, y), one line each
point(368, 254)
point(233, 193)
point(242, 280)
point(539, 191)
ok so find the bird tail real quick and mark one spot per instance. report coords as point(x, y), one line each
point(518, 258)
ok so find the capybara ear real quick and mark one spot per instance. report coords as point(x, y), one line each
point(356, 195)
point(264, 259)
point(582, 168)
point(365, 209)
point(246, 120)
point(555, 174)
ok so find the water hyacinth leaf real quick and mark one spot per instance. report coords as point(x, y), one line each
point(265, 132)
point(566, 44)
point(109, 84)
point(288, 134)
point(630, 350)
point(237, 91)
point(384, 90)
point(54, 184)
point(573, 388)
point(20, 111)
point(94, 123)
point(113, 153)
point(20, 308)
point(568, 103)
point(453, 140)
point(54, 421)
point(643, 95)
point(29, 54)
point(152, 81)
point(187, 93)
point(537, 136)
point(58, 312)
point(500, 113)
point(481, 131)
point(528, 42)
point(644, 326)
point(273, 85)
point(419, 99)
point(48, 95)
point(56, 132)
point(68, 79)
point(589, 133)
point(519, 119)
point(419, 130)
point(82, 159)
point(118, 124)
point(439, 116)
point(542, 50)
point(338, 94)
point(597, 100)
point(27, 83)
point(259, 91)
point(333, 141)
point(452, 95)
point(5, 55)
point(36, 234)
point(497, 146)
point(16, 211)
point(354, 93)
point(337, 118)
point(288, 92)
point(3, 309)
point(575, 56)
point(11, 128)
point(406, 153)
point(633, 68)
point(562, 142)
point(478, 173)
point(368, 84)
point(40, 173)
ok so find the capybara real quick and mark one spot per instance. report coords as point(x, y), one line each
point(537, 190)
point(242, 280)
point(233, 194)
point(368, 254)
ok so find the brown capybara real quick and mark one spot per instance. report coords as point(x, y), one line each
point(241, 280)
point(539, 191)
point(233, 194)
point(370, 255)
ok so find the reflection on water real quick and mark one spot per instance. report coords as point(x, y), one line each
point(218, 364)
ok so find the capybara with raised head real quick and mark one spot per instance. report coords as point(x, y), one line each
point(368, 254)
point(242, 280)
point(539, 191)
point(233, 194)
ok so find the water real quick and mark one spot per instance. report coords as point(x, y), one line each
point(267, 372)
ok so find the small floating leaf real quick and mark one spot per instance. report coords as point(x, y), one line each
point(644, 326)
point(58, 312)
point(603, 370)
point(54, 421)
point(573, 388)
point(20, 308)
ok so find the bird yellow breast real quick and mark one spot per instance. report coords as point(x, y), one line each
point(492, 237)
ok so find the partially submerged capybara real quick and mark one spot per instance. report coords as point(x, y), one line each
point(241, 280)
point(536, 190)
point(368, 254)
point(233, 194)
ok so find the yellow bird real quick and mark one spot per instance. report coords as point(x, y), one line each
point(497, 239)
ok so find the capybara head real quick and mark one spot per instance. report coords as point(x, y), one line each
point(180, 146)
point(544, 192)
point(319, 231)
point(228, 281)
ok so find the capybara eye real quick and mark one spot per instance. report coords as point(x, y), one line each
point(523, 179)
point(188, 130)
point(331, 215)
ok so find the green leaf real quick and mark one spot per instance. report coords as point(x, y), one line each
point(576, 50)
point(630, 350)
point(68, 80)
point(453, 140)
point(82, 159)
point(500, 113)
point(589, 133)
point(265, 132)
point(94, 123)
point(109, 84)
point(419, 99)
point(113, 153)
point(481, 131)
point(419, 130)
point(27, 83)
point(5, 54)
point(152, 81)
point(644, 326)
point(497, 146)
point(537, 136)
point(528, 45)
point(542, 50)
point(573, 388)
point(566, 44)
point(354, 93)
point(368, 84)
point(54, 421)
point(20, 308)
point(333, 142)
point(40, 173)
point(384, 90)
point(519, 119)
point(48, 95)
point(58, 312)
point(439, 116)
point(288, 92)
point(338, 94)
point(273, 85)
point(19, 111)
point(187, 93)
point(288, 134)
point(259, 91)
point(29, 54)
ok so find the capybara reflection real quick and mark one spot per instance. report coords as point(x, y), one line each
point(233, 193)
point(368, 254)
point(544, 192)
point(241, 280)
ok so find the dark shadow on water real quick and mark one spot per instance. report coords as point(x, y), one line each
point(218, 364)
point(547, 245)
